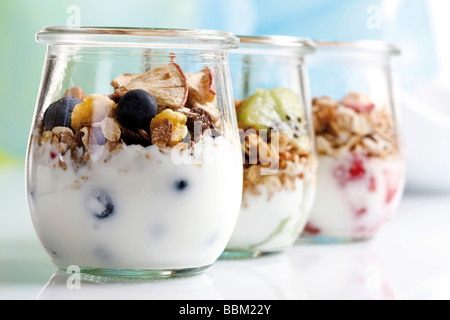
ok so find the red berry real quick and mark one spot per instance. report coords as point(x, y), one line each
point(392, 184)
point(372, 184)
point(352, 171)
point(357, 170)
point(361, 212)
point(310, 229)
point(358, 103)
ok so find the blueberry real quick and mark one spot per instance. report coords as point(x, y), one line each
point(59, 113)
point(97, 135)
point(100, 205)
point(136, 109)
point(181, 185)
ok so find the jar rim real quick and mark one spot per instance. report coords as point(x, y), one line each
point(278, 41)
point(135, 36)
point(371, 46)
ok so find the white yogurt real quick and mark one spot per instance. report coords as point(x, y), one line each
point(270, 222)
point(158, 214)
point(353, 201)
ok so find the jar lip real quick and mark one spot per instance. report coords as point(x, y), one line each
point(281, 41)
point(372, 46)
point(134, 36)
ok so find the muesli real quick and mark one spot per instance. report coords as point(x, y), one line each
point(361, 170)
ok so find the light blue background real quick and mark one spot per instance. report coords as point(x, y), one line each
point(21, 59)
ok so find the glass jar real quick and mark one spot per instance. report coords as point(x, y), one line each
point(134, 166)
point(361, 169)
point(270, 88)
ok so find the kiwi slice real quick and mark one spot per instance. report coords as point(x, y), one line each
point(279, 108)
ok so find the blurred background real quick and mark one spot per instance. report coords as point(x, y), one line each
point(418, 27)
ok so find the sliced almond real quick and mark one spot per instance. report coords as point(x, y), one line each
point(85, 138)
point(111, 129)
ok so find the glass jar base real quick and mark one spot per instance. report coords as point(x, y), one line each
point(246, 254)
point(305, 239)
point(104, 274)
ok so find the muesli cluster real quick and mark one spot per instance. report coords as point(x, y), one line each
point(361, 168)
point(160, 107)
point(287, 159)
point(353, 124)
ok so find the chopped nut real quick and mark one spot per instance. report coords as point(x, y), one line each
point(323, 145)
point(178, 121)
point(372, 146)
point(283, 142)
point(55, 140)
point(46, 137)
point(85, 138)
point(132, 137)
point(59, 131)
point(161, 132)
point(144, 134)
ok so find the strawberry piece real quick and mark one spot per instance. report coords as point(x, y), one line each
point(392, 184)
point(345, 173)
point(310, 229)
point(340, 174)
point(53, 155)
point(359, 102)
point(357, 170)
point(361, 212)
point(372, 184)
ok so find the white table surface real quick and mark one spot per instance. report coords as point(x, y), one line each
point(409, 259)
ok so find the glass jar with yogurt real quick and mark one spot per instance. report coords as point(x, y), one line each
point(134, 166)
point(361, 169)
point(270, 88)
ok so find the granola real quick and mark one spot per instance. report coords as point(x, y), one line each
point(353, 124)
point(262, 151)
point(178, 111)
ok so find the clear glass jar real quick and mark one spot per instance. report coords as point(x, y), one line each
point(134, 167)
point(361, 169)
point(270, 85)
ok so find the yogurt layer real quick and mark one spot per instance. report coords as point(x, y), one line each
point(270, 222)
point(137, 209)
point(357, 195)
